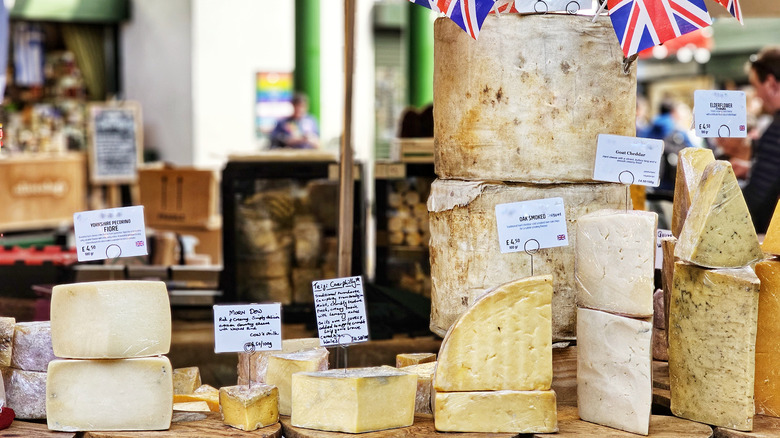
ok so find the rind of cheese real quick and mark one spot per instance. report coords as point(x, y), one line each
point(32, 346)
point(690, 165)
point(254, 365)
point(767, 390)
point(771, 243)
point(249, 407)
point(614, 366)
point(118, 394)
point(7, 326)
point(659, 310)
point(481, 350)
point(424, 373)
point(205, 393)
point(712, 333)
point(718, 232)
point(407, 359)
point(496, 411)
point(667, 273)
point(660, 345)
point(281, 367)
point(186, 380)
point(110, 319)
point(25, 393)
point(615, 263)
point(466, 260)
point(354, 400)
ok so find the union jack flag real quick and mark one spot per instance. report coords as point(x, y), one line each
point(733, 7)
point(467, 14)
point(640, 24)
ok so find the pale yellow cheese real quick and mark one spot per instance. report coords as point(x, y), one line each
point(771, 243)
point(481, 350)
point(712, 333)
point(718, 232)
point(354, 400)
point(25, 393)
point(196, 406)
point(32, 346)
point(281, 367)
point(406, 359)
point(7, 325)
point(205, 393)
point(110, 319)
point(119, 394)
point(496, 411)
point(253, 366)
point(424, 373)
point(767, 390)
point(249, 407)
point(186, 380)
point(690, 165)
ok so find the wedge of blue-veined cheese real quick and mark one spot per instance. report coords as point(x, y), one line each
point(614, 364)
point(281, 367)
point(712, 339)
point(615, 261)
point(481, 351)
point(718, 232)
point(496, 411)
point(690, 165)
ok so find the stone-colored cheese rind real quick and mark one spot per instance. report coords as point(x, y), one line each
point(614, 365)
point(25, 393)
point(249, 407)
point(354, 400)
point(32, 346)
point(690, 165)
point(501, 104)
point(771, 243)
point(496, 411)
point(660, 345)
point(659, 310)
point(186, 380)
point(615, 261)
point(718, 232)
point(253, 366)
point(281, 367)
point(424, 372)
point(407, 359)
point(503, 341)
point(767, 389)
point(205, 393)
point(7, 326)
point(712, 332)
point(110, 319)
point(466, 260)
point(667, 272)
point(119, 394)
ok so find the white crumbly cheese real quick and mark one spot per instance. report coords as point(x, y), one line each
point(281, 367)
point(110, 319)
point(614, 364)
point(253, 366)
point(615, 261)
point(496, 411)
point(25, 393)
point(32, 346)
point(690, 165)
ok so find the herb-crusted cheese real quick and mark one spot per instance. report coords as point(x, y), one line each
point(690, 165)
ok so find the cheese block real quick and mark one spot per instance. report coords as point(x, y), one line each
point(353, 400)
point(254, 365)
point(204, 393)
point(281, 367)
point(718, 232)
point(496, 411)
point(249, 407)
point(771, 243)
point(614, 370)
point(511, 111)
point(32, 346)
point(690, 165)
point(196, 406)
point(667, 272)
point(767, 389)
point(110, 319)
point(660, 345)
point(712, 333)
point(480, 351)
point(615, 261)
point(424, 373)
point(465, 257)
point(186, 380)
point(7, 327)
point(406, 359)
point(659, 310)
point(25, 393)
point(120, 394)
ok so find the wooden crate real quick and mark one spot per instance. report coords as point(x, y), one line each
point(183, 196)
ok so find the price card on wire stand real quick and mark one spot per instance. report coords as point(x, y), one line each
point(659, 253)
point(341, 311)
point(247, 328)
point(628, 160)
point(531, 225)
point(720, 113)
point(110, 233)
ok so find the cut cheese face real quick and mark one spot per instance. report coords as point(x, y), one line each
point(253, 366)
point(407, 359)
point(503, 341)
point(186, 380)
point(615, 261)
point(614, 364)
point(7, 325)
point(281, 367)
point(771, 243)
point(424, 373)
point(712, 333)
point(25, 393)
point(205, 393)
point(249, 407)
point(767, 390)
point(32, 346)
point(496, 411)
point(110, 319)
point(718, 232)
point(690, 165)
point(121, 394)
point(354, 400)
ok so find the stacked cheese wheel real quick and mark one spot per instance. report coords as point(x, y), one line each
point(767, 389)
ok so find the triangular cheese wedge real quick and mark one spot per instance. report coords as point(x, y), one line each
point(771, 242)
point(690, 165)
point(503, 341)
point(718, 232)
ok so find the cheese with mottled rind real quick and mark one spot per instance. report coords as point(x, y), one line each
point(32, 346)
point(407, 359)
point(281, 367)
point(712, 335)
point(767, 389)
point(667, 273)
point(424, 373)
point(253, 366)
point(690, 165)
point(25, 393)
point(249, 407)
point(7, 326)
point(186, 380)
point(496, 411)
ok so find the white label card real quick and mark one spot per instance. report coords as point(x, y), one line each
point(110, 233)
point(659, 253)
point(531, 225)
point(720, 113)
point(544, 6)
point(247, 328)
point(628, 160)
point(341, 311)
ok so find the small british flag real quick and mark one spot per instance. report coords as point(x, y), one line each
point(733, 7)
point(467, 14)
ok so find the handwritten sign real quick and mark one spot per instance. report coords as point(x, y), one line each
point(247, 328)
point(628, 160)
point(110, 233)
point(341, 311)
point(531, 225)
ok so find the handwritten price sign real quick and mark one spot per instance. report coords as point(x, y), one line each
point(341, 311)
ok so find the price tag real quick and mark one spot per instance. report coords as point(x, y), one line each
point(247, 328)
point(720, 113)
point(341, 311)
point(628, 160)
point(110, 233)
point(531, 225)
point(659, 254)
point(544, 6)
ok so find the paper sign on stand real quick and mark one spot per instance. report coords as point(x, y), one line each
point(531, 225)
point(659, 253)
point(247, 328)
point(110, 233)
point(628, 160)
point(341, 311)
point(720, 113)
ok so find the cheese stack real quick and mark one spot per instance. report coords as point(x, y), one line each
point(615, 271)
point(714, 306)
point(113, 335)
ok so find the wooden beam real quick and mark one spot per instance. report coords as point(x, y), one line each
point(346, 179)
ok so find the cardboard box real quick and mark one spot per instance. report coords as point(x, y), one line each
point(209, 239)
point(174, 197)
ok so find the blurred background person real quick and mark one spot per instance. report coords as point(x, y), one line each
point(299, 131)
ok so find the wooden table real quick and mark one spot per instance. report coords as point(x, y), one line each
point(26, 429)
point(763, 427)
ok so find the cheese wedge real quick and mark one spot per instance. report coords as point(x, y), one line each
point(767, 390)
point(25, 393)
point(186, 380)
point(480, 351)
point(7, 325)
point(424, 373)
point(407, 359)
point(712, 334)
point(718, 232)
point(771, 243)
point(667, 272)
point(281, 367)
point(690, 165)
point(496, 411)
point(253, 366)
point(110, 319)
point(205, 393)
point(198, 406)
point(249, 407)
point(32, 347)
